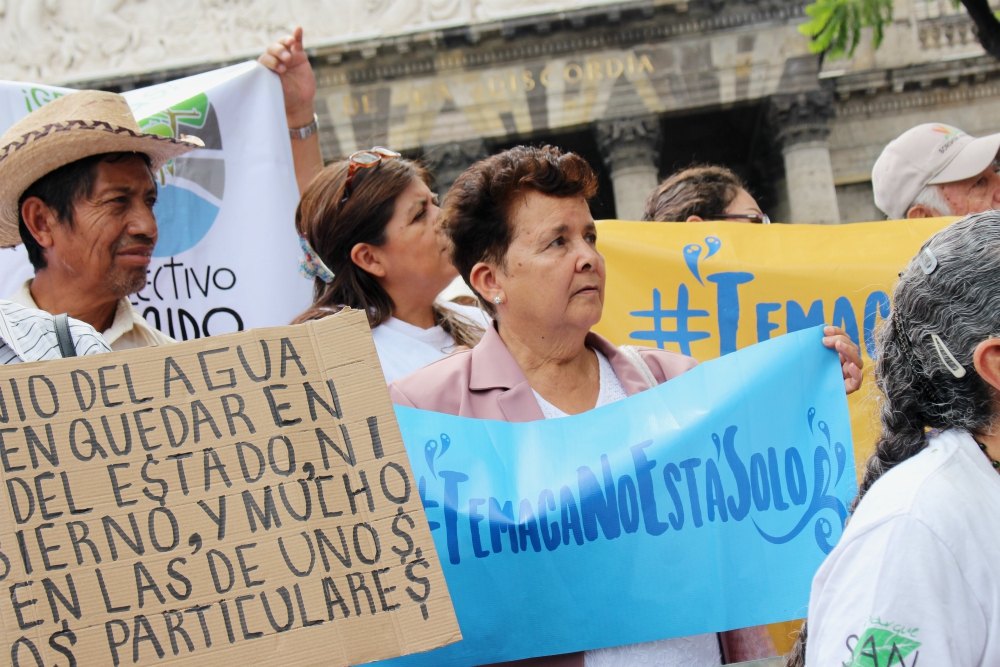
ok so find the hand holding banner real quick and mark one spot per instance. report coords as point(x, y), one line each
point(702, 505)
point(232, 498)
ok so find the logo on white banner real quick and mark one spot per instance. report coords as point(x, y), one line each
point(191, 187)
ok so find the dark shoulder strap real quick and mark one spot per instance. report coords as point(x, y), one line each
point(66, 346)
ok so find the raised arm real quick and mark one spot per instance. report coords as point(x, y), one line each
point(288, 59)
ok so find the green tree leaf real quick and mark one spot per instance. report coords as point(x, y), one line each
point(835, 26)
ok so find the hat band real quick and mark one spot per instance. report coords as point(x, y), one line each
point(71, 125)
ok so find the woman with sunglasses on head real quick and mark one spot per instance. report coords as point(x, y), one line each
point(369, 232)
point(370, 235)
point(701, 193)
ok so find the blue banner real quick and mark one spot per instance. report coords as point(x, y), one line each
point(705, 504)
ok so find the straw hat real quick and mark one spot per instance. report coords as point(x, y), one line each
point(70, 128)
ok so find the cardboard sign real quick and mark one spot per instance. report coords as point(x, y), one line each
point(244, 499)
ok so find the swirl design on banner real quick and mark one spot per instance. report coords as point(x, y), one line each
point(823, 479)
point(692, 253)
point(714, 244)
point(431, 448)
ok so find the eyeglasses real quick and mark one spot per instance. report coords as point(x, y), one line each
point(365, 160)
point(758, 218)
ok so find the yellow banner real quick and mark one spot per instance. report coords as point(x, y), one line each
point(709, 288)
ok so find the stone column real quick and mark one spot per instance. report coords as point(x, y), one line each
point(631, 151)
point(802, 127)
point(449, 160)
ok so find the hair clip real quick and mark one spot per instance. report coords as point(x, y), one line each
point(947, 358)
point(928, 262)
point(311, 266)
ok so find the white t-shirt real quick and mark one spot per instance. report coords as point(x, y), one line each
point(403, 348)
point(915, 579)
point(694, 651)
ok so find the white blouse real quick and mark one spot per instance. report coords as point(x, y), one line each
point(693, 651)
point(403, 348)
point(611, 390)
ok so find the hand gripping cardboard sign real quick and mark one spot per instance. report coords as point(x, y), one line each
point(242, 499)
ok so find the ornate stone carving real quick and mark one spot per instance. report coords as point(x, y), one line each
point(956, 34)
point(629, 142)
point(884, 102)
point(904, 80)
point(802, 121)
point(52, 41)
point(802, 117)
point(449, 160)
point(610, 36)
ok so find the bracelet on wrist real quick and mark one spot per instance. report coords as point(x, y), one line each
point(304, 132)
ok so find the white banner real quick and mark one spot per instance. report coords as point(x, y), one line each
point(227, 255)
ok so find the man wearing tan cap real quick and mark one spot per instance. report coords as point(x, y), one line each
point(77, 188)
point(935, 170)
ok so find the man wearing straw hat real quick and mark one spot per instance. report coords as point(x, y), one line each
point(77, 188)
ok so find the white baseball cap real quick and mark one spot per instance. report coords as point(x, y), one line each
point(927, 154)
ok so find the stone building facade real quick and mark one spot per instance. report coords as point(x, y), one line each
point(627, 85)
point(638, 87)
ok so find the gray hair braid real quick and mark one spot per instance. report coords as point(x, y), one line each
point(948, 294)
point(958, 301)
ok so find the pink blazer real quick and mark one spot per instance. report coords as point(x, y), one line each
point(487, 383)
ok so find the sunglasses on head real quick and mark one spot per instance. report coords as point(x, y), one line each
point(758, 218)
point(365, 160)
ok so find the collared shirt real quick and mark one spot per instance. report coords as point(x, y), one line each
point(28, 334)
point(128, 330)
point(486, 382)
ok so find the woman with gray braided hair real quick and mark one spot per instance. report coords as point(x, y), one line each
point(916, 575)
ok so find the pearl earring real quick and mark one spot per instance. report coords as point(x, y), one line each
point(498, 300)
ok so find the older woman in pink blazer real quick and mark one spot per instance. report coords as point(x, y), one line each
point(524, 240)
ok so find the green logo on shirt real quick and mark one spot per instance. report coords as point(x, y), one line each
point(883, 645)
